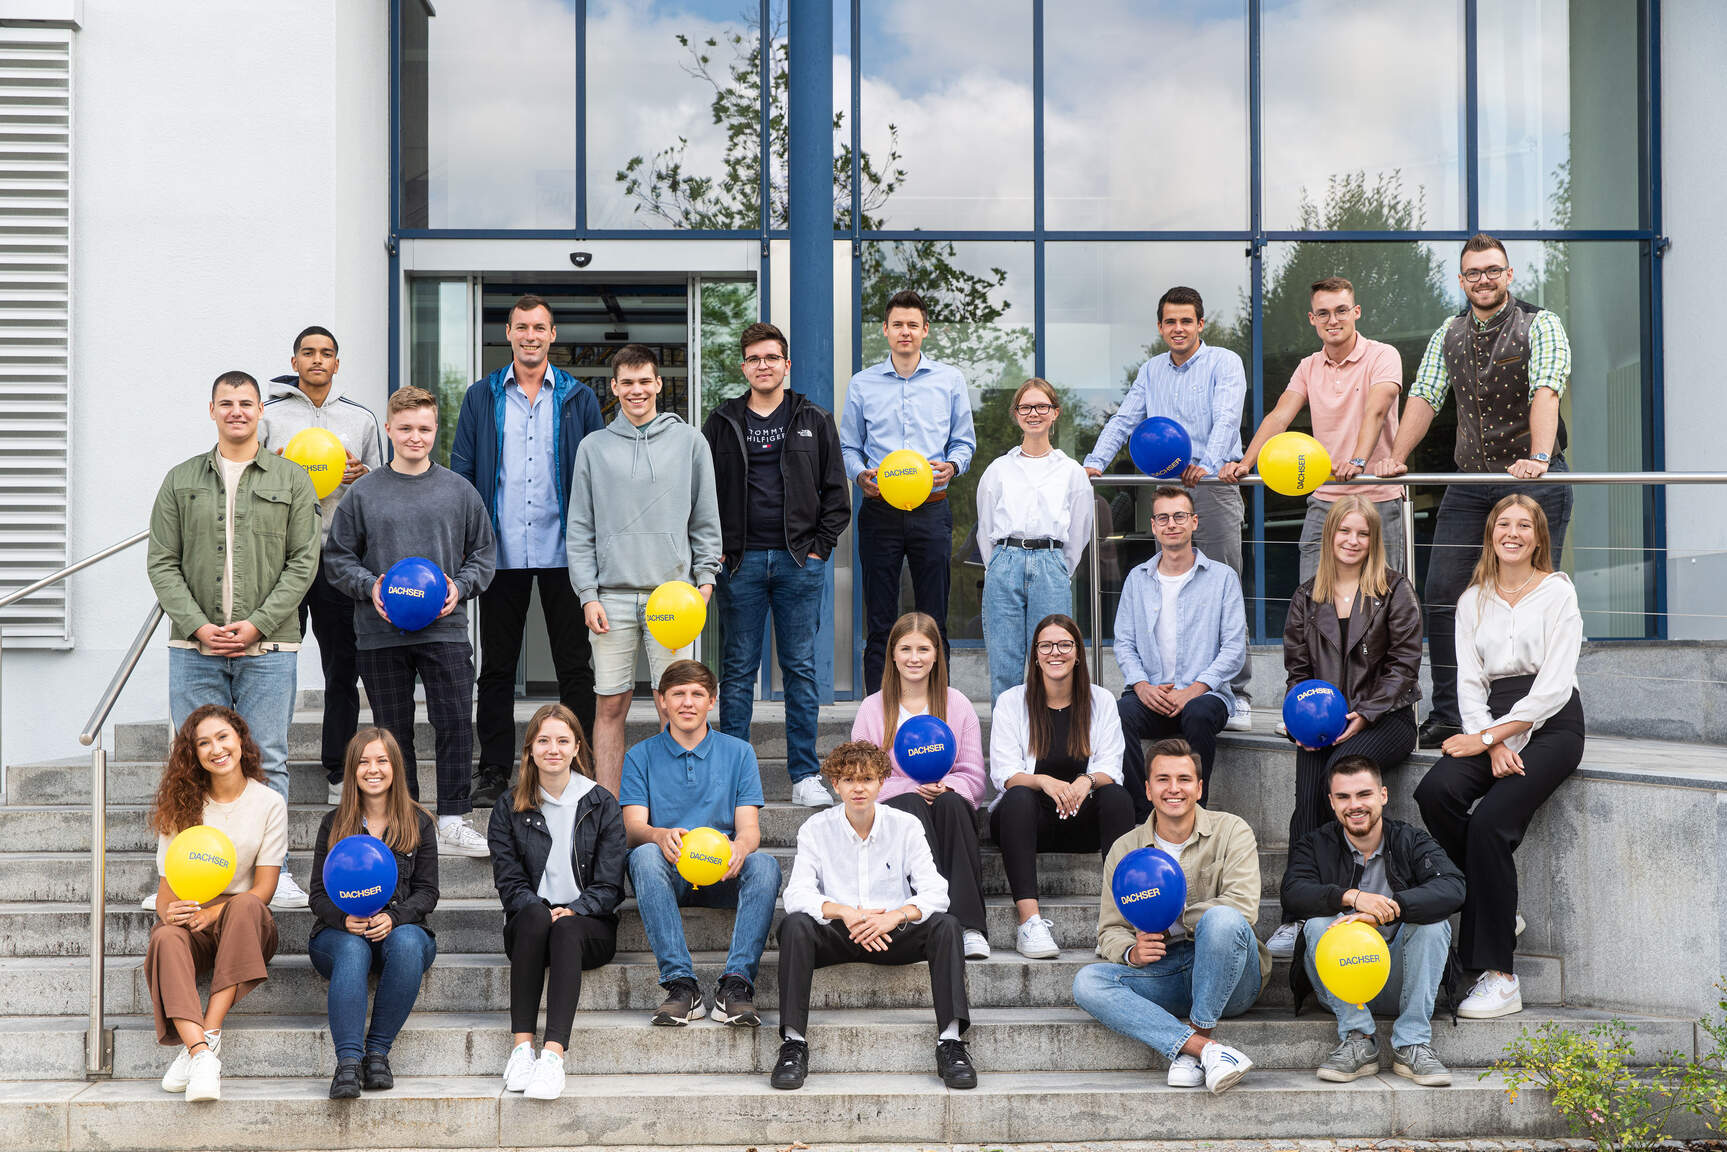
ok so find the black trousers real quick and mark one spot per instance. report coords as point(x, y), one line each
point(1024, 823)
point(1198, 724)
point(887, 538)
point(1482, 842)
point(807, 944)
point(332, 616)
point(566, 947)
point(446, 669)
point(950, 826)
point(503, 620)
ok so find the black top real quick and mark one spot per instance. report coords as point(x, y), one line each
point(766, 437)
point(1059, 764)
point(416, 881)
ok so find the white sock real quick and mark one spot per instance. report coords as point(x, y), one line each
point(951, 1032)
point(794, 1034)
point(445, 823)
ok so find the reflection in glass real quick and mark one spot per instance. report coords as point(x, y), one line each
point(727, 308)
point(842, 142)
point(440, 350)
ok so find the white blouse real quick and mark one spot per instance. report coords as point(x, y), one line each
point(1542, 635)
point(1010, 737)
point(1035, 498)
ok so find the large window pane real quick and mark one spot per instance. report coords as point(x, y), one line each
point(1560, 113)
point(1131, 144)
point(441, 349)
point(947, 112)
point(489, 114)
point(1363, 114)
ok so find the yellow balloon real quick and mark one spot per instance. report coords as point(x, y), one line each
point(1294, 463)
point(705, 856)
point(322, 456)
point(676, 613)
point(1353, 962)
point(200, 863)
point(905, 479)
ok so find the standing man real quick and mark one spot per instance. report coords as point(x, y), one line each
point(1202, 388)
point(311, 398)
point(233, 547)
point(1508, 362)
point(906, 401)
point(516, 441)
point(1351, 386)
point(783, 503)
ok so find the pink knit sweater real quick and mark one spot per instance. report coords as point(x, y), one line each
point(967, 776)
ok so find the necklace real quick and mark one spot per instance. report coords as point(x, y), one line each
point(1028, 456)
point(1510, 592)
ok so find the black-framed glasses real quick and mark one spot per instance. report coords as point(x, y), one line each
point(773, 361)
point(1176, 518)
point(1474, 275)
point(1034, 409)
point(1055, 647)
point(1324, 314)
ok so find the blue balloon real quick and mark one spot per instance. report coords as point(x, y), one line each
point(1150, 889)
point(925, 749)
point(414, 591)
point(360, 875)
point(1315, 713)
point(1160, 447)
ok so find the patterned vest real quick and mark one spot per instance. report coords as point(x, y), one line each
point(1488, 367)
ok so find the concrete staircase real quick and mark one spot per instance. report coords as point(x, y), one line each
point(1048, 1071)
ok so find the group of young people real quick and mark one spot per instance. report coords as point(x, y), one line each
point(541, 492)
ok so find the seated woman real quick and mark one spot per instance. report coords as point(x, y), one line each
point(394, 942)
point(1055, 757)
point(1357, 625)
point(914, 683)
point(1518, 636)
point(214, 776)
point(558, 859)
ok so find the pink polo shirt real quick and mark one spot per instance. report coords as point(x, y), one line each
point(1337, 399)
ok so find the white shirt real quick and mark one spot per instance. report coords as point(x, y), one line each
point(1010, 737)
point(558, 883)
point(1176, 931)
point(889, 868)
point(1035, 498)
point(1168, 616)
point(256, 822)
point(1542, 636)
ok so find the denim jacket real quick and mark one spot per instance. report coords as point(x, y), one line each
point(1212, 642)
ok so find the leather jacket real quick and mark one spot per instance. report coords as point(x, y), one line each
point(1381, 670)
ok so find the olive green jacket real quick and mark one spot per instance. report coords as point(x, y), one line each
point(275, 545)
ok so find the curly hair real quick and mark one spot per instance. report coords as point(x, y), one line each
point(185, 783)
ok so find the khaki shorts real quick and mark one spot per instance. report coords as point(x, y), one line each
point(615, 651)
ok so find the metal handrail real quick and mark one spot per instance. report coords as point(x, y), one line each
point(99, 715)
point(75, 566)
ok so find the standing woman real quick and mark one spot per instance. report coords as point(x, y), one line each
point(214, 776)
point(1356, 625)
point(914, 683)
point(1518, 636)
point(1034, 508)
point(1055, 749)
point(394, 942)
point(558, 858)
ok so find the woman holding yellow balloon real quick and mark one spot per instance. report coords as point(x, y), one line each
point(222, 834)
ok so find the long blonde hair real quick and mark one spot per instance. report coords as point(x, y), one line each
point(403, 814)
point(1374, 581)
point(1487, 568)
point(528, 775)
point(926, 627)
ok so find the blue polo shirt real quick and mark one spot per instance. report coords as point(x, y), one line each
point(693, 788)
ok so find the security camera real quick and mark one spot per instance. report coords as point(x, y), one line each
point(581, 259)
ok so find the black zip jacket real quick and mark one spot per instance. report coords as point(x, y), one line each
point(416, 881)
point(521, 843)
point(818, 500)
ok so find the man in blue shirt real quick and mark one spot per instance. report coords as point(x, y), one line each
point(689, 776)
point(906, 401)
point(1201, 387)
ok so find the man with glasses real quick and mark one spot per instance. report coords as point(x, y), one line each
point(783, 504)
point(1508, 363)
point(1180, 637)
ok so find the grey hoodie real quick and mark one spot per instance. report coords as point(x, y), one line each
point(643, 509)
point(289, 411)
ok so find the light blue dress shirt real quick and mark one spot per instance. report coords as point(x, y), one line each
point(1212, 630)
point(530, 529)
point(1204, 394)
point(928, 412)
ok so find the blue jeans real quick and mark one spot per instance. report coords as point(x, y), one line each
point(793, 588)
point(660, 892)
point(1020, 587)
point(345, 960)
point(260, 688)
point(1418, 954)
point(1205, 977)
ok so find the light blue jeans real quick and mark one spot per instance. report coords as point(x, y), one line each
point(1020, 587)
point(1418, 954)
point(260, 688)
point(1205, 977)
point(660, 892)
point(346, 960)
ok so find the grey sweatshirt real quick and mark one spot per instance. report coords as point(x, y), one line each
point(643, 509)
point(387, 517)
point(289, 411)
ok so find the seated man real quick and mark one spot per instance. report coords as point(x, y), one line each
point(865, 887)
point(1209, 964)
point(1180, 638)
point(689, 776)
point(1395, 877)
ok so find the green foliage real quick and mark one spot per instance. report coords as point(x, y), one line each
point(727, 309)
point(1588, 1078)
point(1705, 1079)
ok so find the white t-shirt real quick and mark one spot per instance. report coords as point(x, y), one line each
point(256, 821)
point(1169, 620)
point(1176, 930)
point(231, 471)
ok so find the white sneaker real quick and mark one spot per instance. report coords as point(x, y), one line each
point(547, 1082)
point(1493, 996)
point(976, 945)
point(1282, 728)
point(1282, 942)
point(1223, 1066)
point(148, 903)
point(810, 793)
point(1034, 940)
point(520, 1067)
point(333, 794)
point(1186, 1072)
point(180, 1071)
point(1517, 930)
point(288, 893)
point(460, 840)
point(1240, 720)
point(204, 1078)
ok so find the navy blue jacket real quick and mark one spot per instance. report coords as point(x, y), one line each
point(479, 441)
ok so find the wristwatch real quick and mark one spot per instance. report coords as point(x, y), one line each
point(1541, 456)
point(1487, 738)
point(1359, 462)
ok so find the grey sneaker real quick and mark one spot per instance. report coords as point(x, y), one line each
point(683, 1004)
point(1356, 1057)
point(1418, 1063)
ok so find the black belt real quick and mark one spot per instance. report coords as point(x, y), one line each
point(1039, 542)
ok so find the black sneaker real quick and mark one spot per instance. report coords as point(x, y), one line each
point(346, 1083)
point(489, 784)
point(1435, 732)
point(735, 1003)
point(793, 1065)
point(375, 1072)
point(683, 1003)
point(953, 1064)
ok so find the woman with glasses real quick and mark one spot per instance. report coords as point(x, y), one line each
point(1034, 508)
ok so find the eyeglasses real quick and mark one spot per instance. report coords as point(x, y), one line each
point(759, 361)
point(1034, 409)
point(1474, 275)
point(1055, 647)
point(1176, 518)
point(1325, 314)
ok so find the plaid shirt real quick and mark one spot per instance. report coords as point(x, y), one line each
point(1549, 359)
